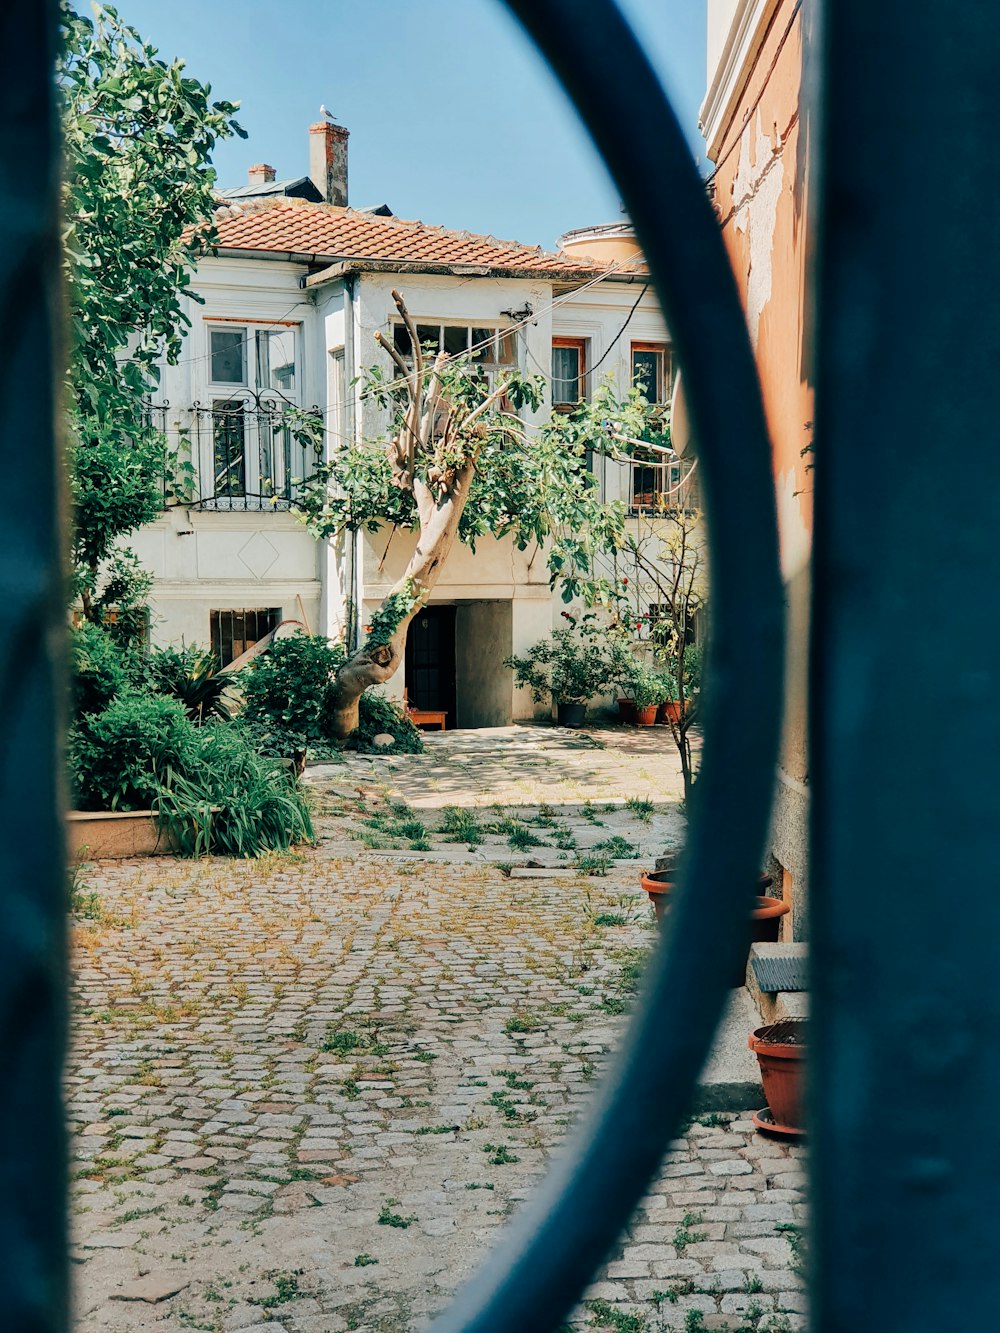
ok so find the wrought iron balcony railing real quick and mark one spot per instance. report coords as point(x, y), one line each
point(247, 451)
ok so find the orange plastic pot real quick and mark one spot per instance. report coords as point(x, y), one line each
point(781, 1064)
point(645, 716)
point(670, 711)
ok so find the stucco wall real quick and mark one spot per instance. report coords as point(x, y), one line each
point(204, 560)
point(761, 193)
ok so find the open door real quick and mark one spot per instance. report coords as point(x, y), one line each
point(430, 661)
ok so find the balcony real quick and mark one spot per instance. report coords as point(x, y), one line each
point(247, 452)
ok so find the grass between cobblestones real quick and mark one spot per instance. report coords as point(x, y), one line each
point(315, 1085)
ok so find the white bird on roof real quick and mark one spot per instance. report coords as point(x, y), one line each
point(328, 114)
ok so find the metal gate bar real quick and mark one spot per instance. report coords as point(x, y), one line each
point(542, 1269)
point(32, 620)
point(905, 899)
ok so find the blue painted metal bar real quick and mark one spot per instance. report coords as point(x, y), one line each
point(537, 1276)
point(33, 1282)
point(905, 908)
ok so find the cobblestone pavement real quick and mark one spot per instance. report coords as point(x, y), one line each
point(306, 1093)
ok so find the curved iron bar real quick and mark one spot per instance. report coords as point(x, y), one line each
point(535, 1278)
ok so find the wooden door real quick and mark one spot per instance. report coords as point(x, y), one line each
point(430, 660)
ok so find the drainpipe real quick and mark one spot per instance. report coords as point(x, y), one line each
point(353, 580)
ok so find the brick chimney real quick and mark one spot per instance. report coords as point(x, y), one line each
point(261, 174)
point(328, 161)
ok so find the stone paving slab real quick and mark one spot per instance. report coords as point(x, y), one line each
point(305, 1093)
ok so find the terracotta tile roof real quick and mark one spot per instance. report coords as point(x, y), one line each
point(295, 226)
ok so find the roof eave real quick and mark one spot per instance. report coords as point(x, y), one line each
point(342, 268)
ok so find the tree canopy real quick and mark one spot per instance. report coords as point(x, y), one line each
point(138, 200)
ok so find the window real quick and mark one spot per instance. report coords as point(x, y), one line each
point(233, 632)
point(228, 356)
point(492, 349)
point(248, 450)
point(652, 371)
point(569, 372)
point(660, 482)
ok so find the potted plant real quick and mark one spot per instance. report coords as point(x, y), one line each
point(569, 667)
point(764, 920)
point(780, 1049)
point(647, 694)
point(669, 709)
point(642, 687)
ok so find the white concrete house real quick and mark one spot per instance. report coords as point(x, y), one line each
point(291, 301)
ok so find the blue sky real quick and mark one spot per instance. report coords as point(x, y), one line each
point(453, 117)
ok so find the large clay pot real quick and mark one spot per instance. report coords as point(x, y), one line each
point(645, 716)
point(670, 711)
point(626, 710)
point(780, 1049)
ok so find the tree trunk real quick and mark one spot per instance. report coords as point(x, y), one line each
point(376, 662)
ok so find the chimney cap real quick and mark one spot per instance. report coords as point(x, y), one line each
point(261, 174)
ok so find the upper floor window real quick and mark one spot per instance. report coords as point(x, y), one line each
point(651, 371)
point(492, 349)
point(569, 372)
point(259, 359)
point(247, 452)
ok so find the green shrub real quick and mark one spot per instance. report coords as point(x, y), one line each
point(227, 799)
point(379, 716)
point(270, 740)
point(192, 675)
point(289, 685)
point(113, 755)
point(101, 670)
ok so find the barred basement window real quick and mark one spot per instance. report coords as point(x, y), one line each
point(234, 631)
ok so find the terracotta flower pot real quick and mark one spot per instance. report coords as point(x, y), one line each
point(780, 1049)
point(626, 710)
point(645, 716)
point(763, 923)
point(659, 884)
point(670, 711)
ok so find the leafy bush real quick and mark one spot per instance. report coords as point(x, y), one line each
point(571, 666)
point(378, 716)
point(192, 675)
point(289, 685)
point(228, 800)
point(270, 740)
point(114, 755)
point(100, 670)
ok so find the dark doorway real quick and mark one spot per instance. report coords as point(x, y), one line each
point(430, 661)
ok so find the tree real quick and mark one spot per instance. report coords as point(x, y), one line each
point(457, 463)
point(668, 571)
point(654, 580)
point(138, 137)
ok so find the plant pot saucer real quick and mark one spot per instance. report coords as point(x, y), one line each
point(766, 1123)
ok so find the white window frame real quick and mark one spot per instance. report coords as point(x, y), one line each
point(254, 396)
point(490, 367)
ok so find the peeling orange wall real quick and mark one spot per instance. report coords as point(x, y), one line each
point(761, 193)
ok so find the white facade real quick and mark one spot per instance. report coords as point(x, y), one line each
point(233, 552)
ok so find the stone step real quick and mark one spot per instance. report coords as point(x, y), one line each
point(783, 966)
